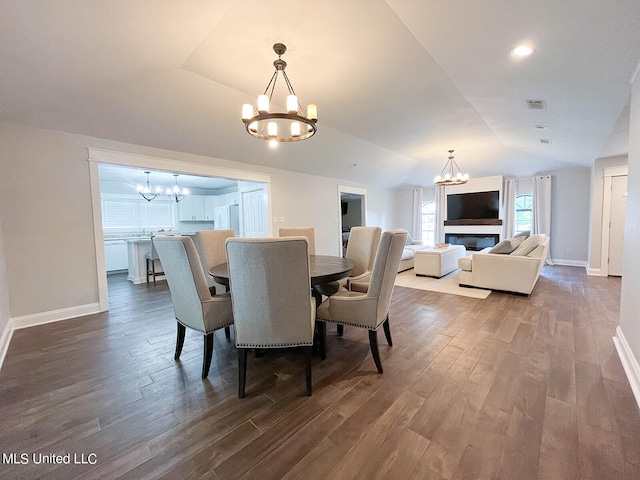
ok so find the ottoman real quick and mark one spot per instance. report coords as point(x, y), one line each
point(437, 262)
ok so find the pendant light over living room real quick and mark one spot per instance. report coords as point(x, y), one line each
point(291, 126)
point(453, 175)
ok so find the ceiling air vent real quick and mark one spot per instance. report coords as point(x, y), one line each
point(546, 141)
point(537, 104)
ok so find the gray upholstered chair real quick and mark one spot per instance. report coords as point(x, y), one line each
point(362, 248)
point(193, 304)
point(210, 245)
point(301, 232)
point(368, 310)
point(271, 298)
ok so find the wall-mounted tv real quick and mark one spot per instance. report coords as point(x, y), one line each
point(473, 205)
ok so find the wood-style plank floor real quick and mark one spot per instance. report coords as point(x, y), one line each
point(509, 387)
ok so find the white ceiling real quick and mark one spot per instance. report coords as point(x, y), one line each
point(397, 83)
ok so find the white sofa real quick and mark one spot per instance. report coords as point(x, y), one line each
point(515, 272)
point(407, 260)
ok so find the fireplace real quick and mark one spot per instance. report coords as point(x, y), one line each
point(472, 241)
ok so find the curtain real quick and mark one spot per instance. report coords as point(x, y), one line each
point(417, 214)
point(541, 210)
point(441, 208)
point(509, 208)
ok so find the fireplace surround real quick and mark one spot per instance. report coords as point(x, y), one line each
point(472, 241)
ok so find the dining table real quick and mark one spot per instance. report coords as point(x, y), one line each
point(324, 271)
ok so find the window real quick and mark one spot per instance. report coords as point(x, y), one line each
point(429, 223)
point(524, 215)
point(124, 212)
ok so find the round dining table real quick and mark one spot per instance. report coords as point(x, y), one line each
point(324, 271)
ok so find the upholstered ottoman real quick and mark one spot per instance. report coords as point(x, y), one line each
point(437, 262)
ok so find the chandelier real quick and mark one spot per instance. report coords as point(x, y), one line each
point(175, 192)
point(453, 176)
point(147, 192)
point(280, 127)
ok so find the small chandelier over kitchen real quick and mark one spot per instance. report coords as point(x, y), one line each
point(280, 127)
point(176, 193)
point(453, 176)
point(147, 192)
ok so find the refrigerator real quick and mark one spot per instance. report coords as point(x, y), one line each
point(227, 218)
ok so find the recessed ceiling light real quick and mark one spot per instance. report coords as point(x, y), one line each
point(354, 165)
point(541, 127)
point(546, 141)
point(522, 51)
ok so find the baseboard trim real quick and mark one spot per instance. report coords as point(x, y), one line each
point(629, 363)
point(596, 272)
point(40, 319)
point(570, 263)
point(5, 340)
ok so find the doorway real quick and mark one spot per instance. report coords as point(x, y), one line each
point(616, 225)
point(353, 210)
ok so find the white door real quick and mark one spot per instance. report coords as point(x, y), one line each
point(253, 214)
point(616, 228)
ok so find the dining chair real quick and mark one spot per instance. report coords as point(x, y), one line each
point(301, 231)
point(368, 310)
point(271, 298)
point(193, 304)
point(210, 245)
point(362, 247)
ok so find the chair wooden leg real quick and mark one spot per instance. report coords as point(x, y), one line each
point(242, 371)
point(373, 342)
point(387, 331)
point(320, 338)
point(227, 332)
point(153, 270)
point(340, 329)
point(208, 353)
point(147, 263)
point(307, 354)
point(179, 340)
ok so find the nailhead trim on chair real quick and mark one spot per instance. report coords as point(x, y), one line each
point(273, 345)
point(202, 331)
point(351, 324)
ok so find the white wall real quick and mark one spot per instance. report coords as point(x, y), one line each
point(629, 328)
point(4, 298)
point(570, 192)
point(47, 223)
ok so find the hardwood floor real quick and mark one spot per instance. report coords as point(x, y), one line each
point(509, 387)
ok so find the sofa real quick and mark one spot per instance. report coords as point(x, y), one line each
point(409, 251)
point(513, 265)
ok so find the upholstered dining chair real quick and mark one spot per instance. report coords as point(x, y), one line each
point(308, 232)
point(362, 248)
point(368, 310)
point(210, 245)
point(271, 298)
point(193, 304)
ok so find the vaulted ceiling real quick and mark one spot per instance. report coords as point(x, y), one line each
point(397, 83)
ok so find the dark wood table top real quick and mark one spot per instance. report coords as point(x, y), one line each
point(323, 269)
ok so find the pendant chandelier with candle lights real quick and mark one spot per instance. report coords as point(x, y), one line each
point(453, 175)
point(275, 127)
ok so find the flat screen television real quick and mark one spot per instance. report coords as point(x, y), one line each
point(473, 205)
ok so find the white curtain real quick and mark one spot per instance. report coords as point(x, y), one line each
point(417, 214)
point(441, 209)
point(541, 210)
point(509, 208)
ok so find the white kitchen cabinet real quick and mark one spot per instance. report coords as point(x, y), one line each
point(192, 209)
point(210, 204)
point(115, 255)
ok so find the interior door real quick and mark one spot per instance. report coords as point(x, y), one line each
point(616, 228)
point(253, 213)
